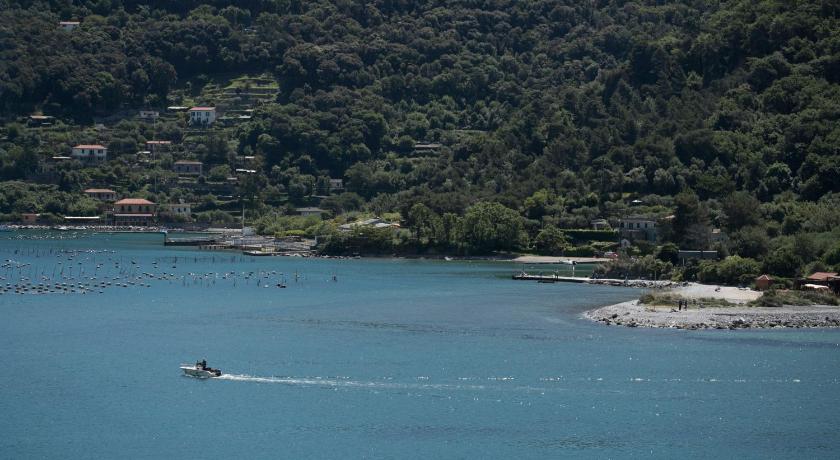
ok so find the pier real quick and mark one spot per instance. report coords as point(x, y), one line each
point(604, 281)
point(192, 241)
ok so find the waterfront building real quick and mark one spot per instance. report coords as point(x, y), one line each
point(820, 281)
point(134, 212)
point(763, 282)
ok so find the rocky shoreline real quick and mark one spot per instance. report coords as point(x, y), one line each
point(634, 314)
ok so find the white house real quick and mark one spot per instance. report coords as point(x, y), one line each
point(101, 194)
point(68, 26)
point(179, 209)
point(202, 116)
point(90, 152)
point(638, 228)
point(310, 211)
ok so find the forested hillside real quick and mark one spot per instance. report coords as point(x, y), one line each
point(723, 114)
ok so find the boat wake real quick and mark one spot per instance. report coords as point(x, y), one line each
point(341, 383)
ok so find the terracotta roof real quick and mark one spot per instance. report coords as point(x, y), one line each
point(822, 276)
point(99, 190)
point(202, 108)
point(133, 201)
point(89, 146)
point(764, 277)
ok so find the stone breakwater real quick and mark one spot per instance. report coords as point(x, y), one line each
point(633, 314)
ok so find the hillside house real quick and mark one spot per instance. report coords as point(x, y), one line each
point(158, 145)
point(637, 228)
point(134, 212)
point(202, 116)
point(310, 211)
point(68, 26)
point(90, 152)
point(36, 121)
point(336, 185)
point(101, 194)
point(423, 147)
point(718, 236)
point(179, 209)
point(600, 224)
point(188, 167)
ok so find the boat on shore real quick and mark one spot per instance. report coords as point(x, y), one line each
point(200, 370)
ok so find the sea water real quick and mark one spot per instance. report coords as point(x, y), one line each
point(377, 358)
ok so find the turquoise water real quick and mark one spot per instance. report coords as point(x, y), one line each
point(393, 359)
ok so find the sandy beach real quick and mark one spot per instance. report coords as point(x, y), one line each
point(531, 259)
point(634, 314)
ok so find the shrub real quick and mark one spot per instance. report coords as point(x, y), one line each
point(778, 298)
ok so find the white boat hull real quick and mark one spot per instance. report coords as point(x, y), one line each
point(198, 373)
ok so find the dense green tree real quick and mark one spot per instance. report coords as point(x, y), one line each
point(550, 241)
point(425, 223)
point(691, 221)
point(669, 252)
point(721, 113)
point(741, 209)
point(783, 262)
point(488, 226)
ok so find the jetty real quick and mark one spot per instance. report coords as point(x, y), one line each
point(553, 278)
point(250, 245)
point(192, 241)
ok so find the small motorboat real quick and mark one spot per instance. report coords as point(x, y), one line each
point(200, 370)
